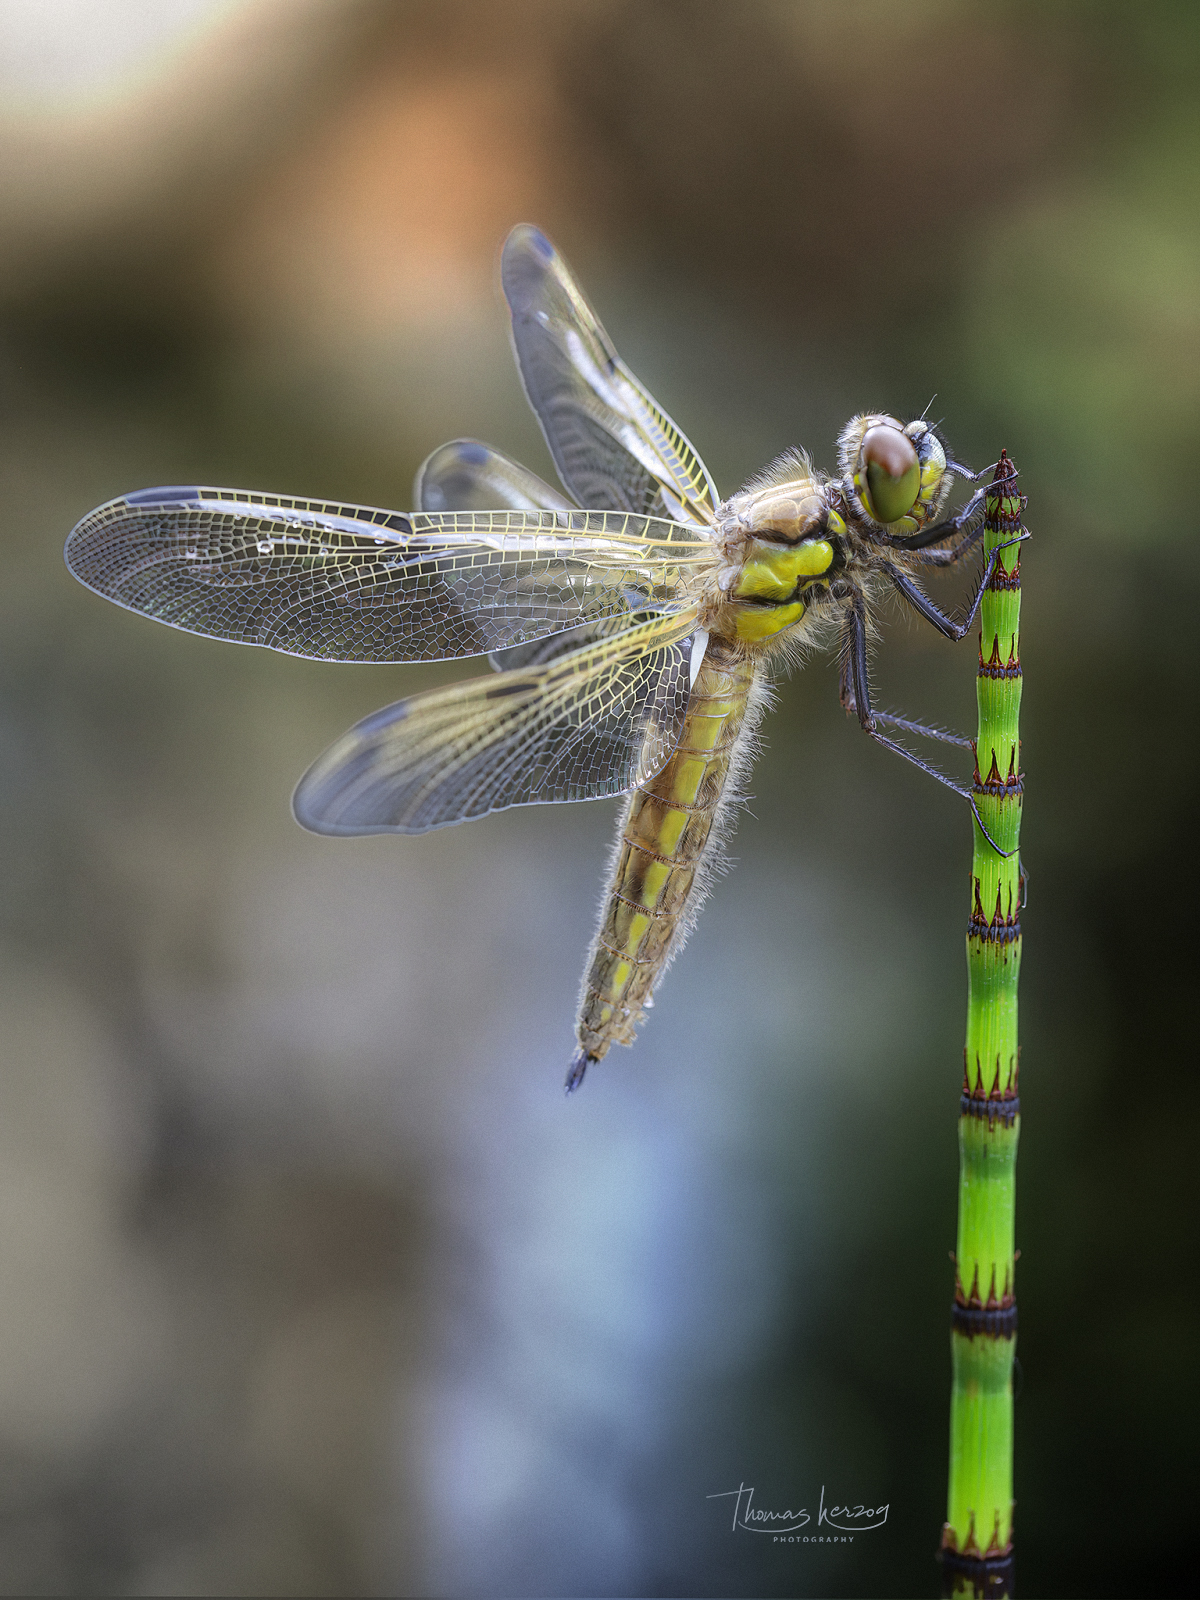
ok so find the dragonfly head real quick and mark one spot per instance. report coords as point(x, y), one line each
point(893, 474)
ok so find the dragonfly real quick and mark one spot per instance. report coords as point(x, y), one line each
point(634, 620)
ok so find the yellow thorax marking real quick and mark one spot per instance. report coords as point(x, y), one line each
point(761, 622)
point(772, 571)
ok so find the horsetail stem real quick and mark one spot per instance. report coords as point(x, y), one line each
point(977, 1538)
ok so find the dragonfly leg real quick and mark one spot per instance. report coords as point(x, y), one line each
point(928, 608)
point(850, 703)
point(855, 689)
point(856, 697)
point(955, 552)
point(922, 729)
point(947, 528)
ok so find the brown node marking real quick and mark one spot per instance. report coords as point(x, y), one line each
point(1005, 929)
point(995, 1548)
point(1006, 1301)
point(1010, 1087)
point(979, 1091)
point(984, 1322)
point(1002, 496)
point(1002, 1111)
point(1000, 580)
point(997, 784)
point(998, 1104)
point(996, 666)
point(1002, 519)
point(1001, 929)
point(973, 1303)
point(994, 784)
point(1008, 931)
point(987, 1577)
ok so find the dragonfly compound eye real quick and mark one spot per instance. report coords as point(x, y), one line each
point(892, 471)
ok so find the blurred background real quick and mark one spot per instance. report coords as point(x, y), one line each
point(311, 1281)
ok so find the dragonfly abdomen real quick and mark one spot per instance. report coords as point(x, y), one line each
point(667, 836)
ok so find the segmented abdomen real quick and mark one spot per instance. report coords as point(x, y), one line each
point(661, 845)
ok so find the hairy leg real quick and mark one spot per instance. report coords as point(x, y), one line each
point(856, 697)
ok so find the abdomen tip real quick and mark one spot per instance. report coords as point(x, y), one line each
point(575, 1072)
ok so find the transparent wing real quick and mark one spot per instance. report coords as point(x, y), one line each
point(615, 448)
point(349, 583)
point(537, 652)
point(465, 475)
point(591, 723)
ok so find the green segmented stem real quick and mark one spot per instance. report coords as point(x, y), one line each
point(977, 1538)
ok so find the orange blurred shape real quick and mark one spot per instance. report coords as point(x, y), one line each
point(394, 211)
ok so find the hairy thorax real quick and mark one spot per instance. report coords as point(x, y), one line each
point(780, 539)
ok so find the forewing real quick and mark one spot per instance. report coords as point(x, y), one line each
point(466, 475)
point(538, 652)
point(615, 448)
point(351, 583)
point(591, 723)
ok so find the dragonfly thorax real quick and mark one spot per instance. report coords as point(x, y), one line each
point(786, 512)
point(767, 525)
point(777, 537)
